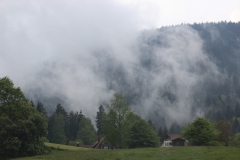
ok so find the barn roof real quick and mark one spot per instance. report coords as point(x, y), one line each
point(174, 136)
point(95, 146)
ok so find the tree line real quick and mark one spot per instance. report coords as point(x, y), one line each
point(203, 132)
point(124, 129)
point(24, 126)
point(121, 127)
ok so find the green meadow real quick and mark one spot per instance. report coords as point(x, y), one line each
point(64, 152)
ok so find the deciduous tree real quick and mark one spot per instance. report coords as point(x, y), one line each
point(115, 121)
point(86, 131)
point(200, 132)
point(21, 125)
point(236, 140)
point(225, 133)
point(142, 134)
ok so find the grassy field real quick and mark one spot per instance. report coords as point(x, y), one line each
point(173, 153)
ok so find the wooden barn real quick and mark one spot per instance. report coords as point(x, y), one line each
point(171, 140)
point(101, 144)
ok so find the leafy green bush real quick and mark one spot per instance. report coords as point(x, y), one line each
point(235, 142)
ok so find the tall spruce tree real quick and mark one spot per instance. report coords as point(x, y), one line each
point(58, 134)
point(41, 109)
point(74, 119)
point(99, 118)
point(150, 122)
point(73, 123)
point(50, 127)
point(235, 126)
point(32, 104)
point(175, 128)
point(160, 133)
point(61, 110)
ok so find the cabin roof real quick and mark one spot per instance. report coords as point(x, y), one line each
point(96, 144)
point(174, 136)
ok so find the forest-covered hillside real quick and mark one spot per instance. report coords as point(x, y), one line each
point(169, 75)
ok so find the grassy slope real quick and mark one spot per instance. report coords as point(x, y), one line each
point(185, 153)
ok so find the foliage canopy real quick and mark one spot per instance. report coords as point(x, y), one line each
point(86, 131)
point(115, 121)
point(21, 125)
point(225, 134)
point(125, 129)
point(142, 134)
point(200, 132)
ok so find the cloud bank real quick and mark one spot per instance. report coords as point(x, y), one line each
point(81, 52)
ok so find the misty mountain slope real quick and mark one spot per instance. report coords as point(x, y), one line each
point(171, 74)
point(220, 41)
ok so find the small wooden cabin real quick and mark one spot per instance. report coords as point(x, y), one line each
point(101, 144)
point(171, 140)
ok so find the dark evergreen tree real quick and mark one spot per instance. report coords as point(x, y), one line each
point(165, 131)
point(160, 133)
point(32, 104)
point(175, 128)
point(72, 125)
point(58, 134)
point(237, 110)
point(80, 116)
point(235, 126)
point(74, 119)
point(41, 109)
point(50, 126)
point(99, 117)
point(219, 116)
point(228, 113)
point(151, 124)
point(60, 110)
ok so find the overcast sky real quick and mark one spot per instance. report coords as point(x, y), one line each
point(153, 13)
point(51, 44)
point(167, 12)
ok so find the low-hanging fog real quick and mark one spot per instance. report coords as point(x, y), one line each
point(80, 54)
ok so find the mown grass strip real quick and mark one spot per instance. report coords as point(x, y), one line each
point(173, 153)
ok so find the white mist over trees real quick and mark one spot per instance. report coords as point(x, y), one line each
point(79, 55)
